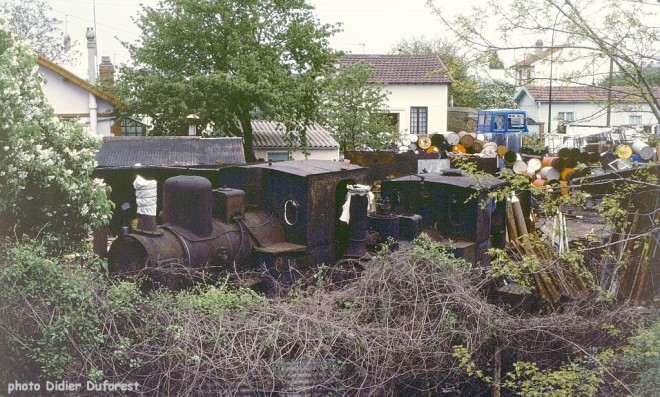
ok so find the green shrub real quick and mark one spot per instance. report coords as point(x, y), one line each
point(49, 311)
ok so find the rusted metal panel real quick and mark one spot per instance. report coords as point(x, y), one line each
point(228, 203)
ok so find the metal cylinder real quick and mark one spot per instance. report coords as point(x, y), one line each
point(357, 225)
point(644, 151)
point(187, 205)
point(387, 226)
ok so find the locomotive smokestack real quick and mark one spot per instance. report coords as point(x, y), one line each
point(145, 196)
point(358, 202)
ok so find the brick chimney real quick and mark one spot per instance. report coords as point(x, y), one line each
point(106, 72)
point(539, 48)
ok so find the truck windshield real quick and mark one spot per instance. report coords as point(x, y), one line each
point(516, 121)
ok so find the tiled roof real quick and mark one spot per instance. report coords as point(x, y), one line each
point(585, 93)
point(270, 135)
point(180, 151)
point(533, 58)
point(403, 68)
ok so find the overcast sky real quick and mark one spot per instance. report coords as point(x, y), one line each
point(369, 26)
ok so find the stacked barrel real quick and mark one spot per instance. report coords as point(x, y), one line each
point(461, 142)
point(572, 163)
point(560, 168)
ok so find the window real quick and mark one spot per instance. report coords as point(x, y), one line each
point(499, 122)
point(278, 156)
point(566, 116)
point(132, 128)
point(516, 122)
point(635, 119)
point(418, 120)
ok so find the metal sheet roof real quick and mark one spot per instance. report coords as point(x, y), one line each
point(175, 151)
point(305, 167)
point(271, 135)
point(456, 177)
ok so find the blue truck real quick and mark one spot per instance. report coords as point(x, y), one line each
point(505, 127)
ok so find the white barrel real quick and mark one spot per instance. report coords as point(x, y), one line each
point(489, 149)
point(534, 164)
point(643, 150)
point(453, 139)
point(550, 174)
point(520, 167)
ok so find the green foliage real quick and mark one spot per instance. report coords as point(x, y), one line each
point(441, 256)
point(49, 311)
point(226, 61)
point(214, 299)
point(581, 378)
point(46, 164)
point(630, 78)
point(31, 20)
point(352, 108)
point(643, 356)
point(467, 89)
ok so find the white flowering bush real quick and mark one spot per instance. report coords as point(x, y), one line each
point(46, 164)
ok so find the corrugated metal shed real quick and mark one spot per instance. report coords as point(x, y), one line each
point(175, 151)
point(271, 135)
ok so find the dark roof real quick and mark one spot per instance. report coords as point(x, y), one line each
point(403, 68)
point(584, 93)
point(305, 167)
point(174, 151)
point(271, 135)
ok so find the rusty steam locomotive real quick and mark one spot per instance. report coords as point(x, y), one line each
point(303, 213)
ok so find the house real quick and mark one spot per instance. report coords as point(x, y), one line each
point(270, 143)
point(584, 105)
point(418, 88)
point(561, 64)
point(69, 95)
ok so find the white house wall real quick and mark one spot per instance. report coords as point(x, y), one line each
point(570, 66)
point(434, 97)
point(67, 98)
point(316, 154)
point(585, 113)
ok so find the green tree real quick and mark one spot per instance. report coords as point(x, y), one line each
point(628, 79)
point(46, 184)
point(463, 89)
point(468, 89)
point(352, 108)
point(226, 61)
point(623, 31)
point(30, 20)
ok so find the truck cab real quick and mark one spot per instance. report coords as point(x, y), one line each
point(503, 126)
